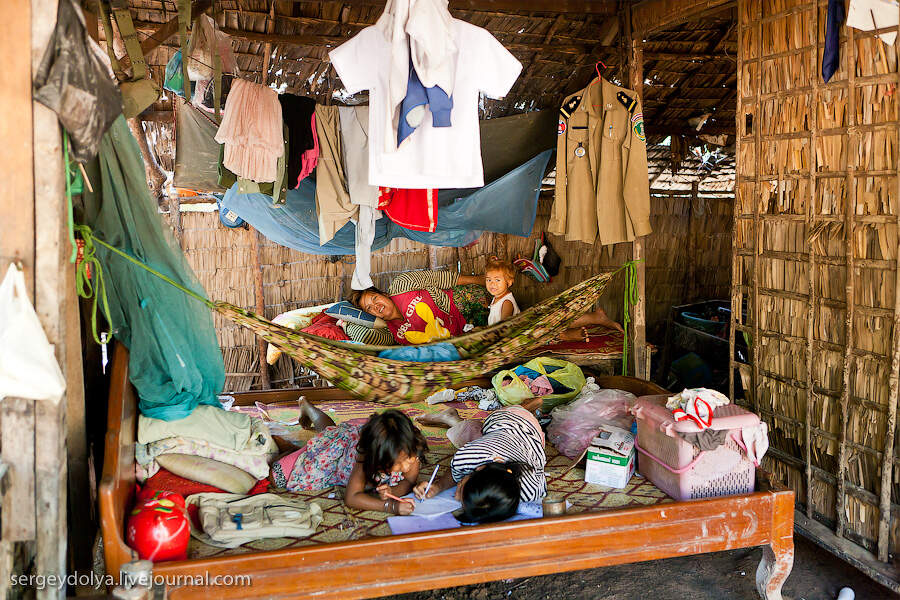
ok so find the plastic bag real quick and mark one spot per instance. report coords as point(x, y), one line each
point(560, 373)
point(206, 43)
point(28, 368)
point(574, 426)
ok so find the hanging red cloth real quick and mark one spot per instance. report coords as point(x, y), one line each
point(413, 209)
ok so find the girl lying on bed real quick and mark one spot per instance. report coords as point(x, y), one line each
point(375, 461)
point(500, 462)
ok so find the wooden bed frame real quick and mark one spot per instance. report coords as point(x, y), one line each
point(375, 567)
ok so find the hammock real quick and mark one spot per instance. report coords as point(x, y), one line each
point(357, 369)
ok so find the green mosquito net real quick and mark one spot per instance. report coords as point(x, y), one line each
point(175, 362)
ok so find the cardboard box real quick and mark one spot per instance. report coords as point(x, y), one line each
point(610, 458)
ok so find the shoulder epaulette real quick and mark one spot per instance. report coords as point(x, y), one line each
point(569, 107)
point(627, 101)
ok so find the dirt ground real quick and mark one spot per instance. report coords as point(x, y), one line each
point(817, 575)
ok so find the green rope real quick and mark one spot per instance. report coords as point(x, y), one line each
point(70, 175)
point(631, 298)
point(87, 233)
point(89, 268)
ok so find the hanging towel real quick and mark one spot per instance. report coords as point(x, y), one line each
point(831, 56)
point(419, 31)
point(252, 131)
point(355, 134)
point(332, 198)
point(413, 209)
point(365, 236)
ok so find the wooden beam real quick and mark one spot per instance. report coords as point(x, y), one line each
point(336, 40)
point(596, 7)
point(264, 381)
point(17, 440)
point(16, 155)
point(667, 129)
point(651, 15)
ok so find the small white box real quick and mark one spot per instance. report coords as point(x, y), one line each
point(610, 458)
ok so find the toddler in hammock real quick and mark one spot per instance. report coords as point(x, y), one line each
point(375, 461)
point(498, 279)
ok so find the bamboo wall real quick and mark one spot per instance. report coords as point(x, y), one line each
point(687, 259)
point(815, 257)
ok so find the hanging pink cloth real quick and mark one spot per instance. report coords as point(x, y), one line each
point(310, 158)
point(252, 131)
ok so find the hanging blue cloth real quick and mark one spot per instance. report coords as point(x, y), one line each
point(831, 55)
point(506, 205)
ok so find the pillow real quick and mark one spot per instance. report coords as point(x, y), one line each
point(170, 482)
point(212, 424)
point(344, 311)
point(292, 319)
point(326, 327)
point(208, 471)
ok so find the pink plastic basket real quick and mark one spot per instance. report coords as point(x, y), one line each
point(677, 467)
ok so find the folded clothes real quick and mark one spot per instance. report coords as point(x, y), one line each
point(254, 457)
point(210, 423)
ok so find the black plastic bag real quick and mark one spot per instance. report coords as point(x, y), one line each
point(74, 83)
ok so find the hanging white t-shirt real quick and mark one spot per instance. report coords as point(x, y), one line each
point(432, 157)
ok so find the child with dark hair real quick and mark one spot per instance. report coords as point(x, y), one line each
point(500, 462)
point(379, 459)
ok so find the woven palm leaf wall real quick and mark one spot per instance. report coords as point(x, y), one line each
point(815, 259)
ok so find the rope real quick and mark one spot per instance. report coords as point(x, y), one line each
point(70, 176)
point(631, 298)
point(88, 267)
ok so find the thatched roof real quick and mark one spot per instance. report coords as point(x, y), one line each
point(689, 69)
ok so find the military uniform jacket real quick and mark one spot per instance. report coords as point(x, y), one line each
point(602, 187)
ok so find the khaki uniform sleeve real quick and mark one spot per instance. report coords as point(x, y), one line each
point(560, 208)
point(636, 183)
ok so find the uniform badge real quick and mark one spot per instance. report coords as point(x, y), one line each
point(637, 124)
point(569, 107)
point(627, 101)
point(561, 128)
point(580, 151)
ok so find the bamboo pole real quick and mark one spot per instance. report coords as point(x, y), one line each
point(849, 231)
point(736, 271)
point(811, 306)
point(754, 293)
point(636, 83)
point(264, 381)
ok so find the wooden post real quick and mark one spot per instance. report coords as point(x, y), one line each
point(887, 464)
point(812, 308)
point(17, 441)
point(60, 484)
point(264, 380)
point(849, 235)
point(636, 83)
point(17, 191)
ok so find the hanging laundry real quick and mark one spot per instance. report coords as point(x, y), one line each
point(460, 58)
point(298, 112)
point(365, 237)
point(355, 133)
point(602, 187)
point(310, 158)
point(252, 131)
point(332, 198)
point(412, 109)
point(831, 55)
point(413, 209)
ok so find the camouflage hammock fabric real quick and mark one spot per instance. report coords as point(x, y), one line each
point(354, 368)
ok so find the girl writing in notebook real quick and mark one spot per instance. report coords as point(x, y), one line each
point(378, 461)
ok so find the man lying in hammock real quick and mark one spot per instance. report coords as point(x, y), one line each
point(420, 307)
